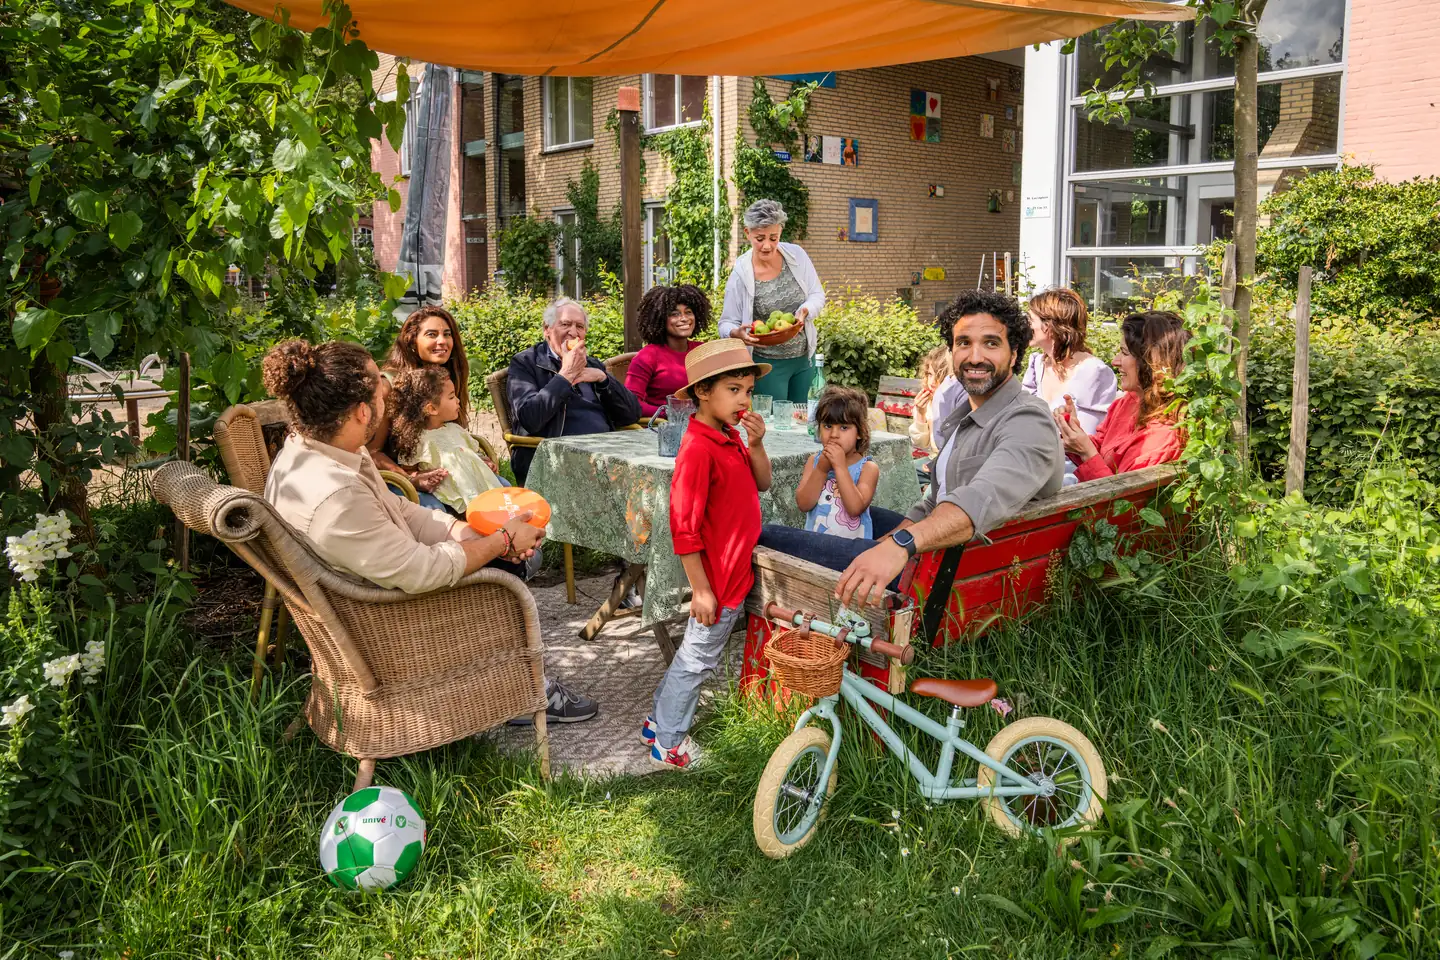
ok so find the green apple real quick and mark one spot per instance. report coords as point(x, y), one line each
point(761, 329)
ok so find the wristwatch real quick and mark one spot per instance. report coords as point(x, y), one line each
point(905, 539)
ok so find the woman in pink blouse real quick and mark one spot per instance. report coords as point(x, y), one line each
point(669, 318)
point(1140, 429)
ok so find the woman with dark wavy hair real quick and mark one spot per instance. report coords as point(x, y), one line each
point(669, 319)
point(1141, 428)
point(429, 337)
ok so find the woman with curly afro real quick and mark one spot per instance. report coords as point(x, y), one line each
point(669, 318)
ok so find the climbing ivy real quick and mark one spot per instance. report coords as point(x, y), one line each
point(759, 175)
point(690, 216)
point(600, 239)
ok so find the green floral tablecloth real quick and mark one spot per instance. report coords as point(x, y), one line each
point(611, 492)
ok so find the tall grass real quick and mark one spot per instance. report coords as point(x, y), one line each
point(1266, 710)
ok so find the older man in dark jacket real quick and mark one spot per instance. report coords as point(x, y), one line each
point(558, 390)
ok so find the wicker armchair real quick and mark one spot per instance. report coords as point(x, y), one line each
point(619, 365)
point(393, 673)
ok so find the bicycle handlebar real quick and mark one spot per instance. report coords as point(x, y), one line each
point(904, 653)
point(898, 651)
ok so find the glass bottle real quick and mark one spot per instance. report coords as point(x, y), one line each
point(817, 384)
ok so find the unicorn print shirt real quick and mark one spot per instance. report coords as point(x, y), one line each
point(829, 514)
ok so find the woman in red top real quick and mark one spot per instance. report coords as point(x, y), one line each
point(1140, 429)
point(669, 317)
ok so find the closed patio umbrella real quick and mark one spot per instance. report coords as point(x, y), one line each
point(734, 37)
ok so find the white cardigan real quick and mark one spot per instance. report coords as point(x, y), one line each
point(740, 291)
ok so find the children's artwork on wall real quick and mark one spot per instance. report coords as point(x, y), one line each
point(1009, 196)
point(934, 273)
point(864, 220)
point(812, 148)
point(1017, 80)
point(849, 152)
point(937, 190)
point(1010, 114)
point(841, 235)
point(1007, 140)
point(1015, 172)
point(915, 278)
point(830, 150)
point(987, 126)
point(992, 88)
point(924, 116)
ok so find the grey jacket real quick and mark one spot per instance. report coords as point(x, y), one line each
point(1004, 455)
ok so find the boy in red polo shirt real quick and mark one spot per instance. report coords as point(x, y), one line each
point(715, 524)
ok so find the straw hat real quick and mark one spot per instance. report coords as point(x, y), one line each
point(717, 356)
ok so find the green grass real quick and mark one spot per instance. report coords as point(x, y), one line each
point(203, 824)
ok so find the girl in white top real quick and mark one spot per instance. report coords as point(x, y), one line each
point(425, 433)
point(1061, 366)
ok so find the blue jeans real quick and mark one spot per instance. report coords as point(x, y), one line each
point(679, 691)
point(836, 553)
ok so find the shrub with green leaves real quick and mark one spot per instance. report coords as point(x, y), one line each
point(526, 252)
point(1375, 245)
point(864, 338)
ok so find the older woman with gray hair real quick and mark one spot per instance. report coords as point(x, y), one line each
point(558, 390)
point(771, 276)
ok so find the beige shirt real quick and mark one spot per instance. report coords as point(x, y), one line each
point(356, 524)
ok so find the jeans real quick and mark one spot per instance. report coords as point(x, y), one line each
point(836, 553)
point(787, 379)
point(679, 691)
point(427, 500)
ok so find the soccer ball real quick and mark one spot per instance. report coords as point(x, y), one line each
point(373, 839)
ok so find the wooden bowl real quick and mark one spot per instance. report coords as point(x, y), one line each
point(777, 337)
point(493, 509)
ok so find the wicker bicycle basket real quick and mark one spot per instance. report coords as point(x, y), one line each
point(807, 662)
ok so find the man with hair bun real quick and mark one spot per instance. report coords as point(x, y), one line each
point(324, 484)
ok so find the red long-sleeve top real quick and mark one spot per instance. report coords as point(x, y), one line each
point(715, 509)
point(655, 373)
point(1126, 446)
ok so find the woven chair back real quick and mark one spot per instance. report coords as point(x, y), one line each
point(619, 365)
point(241, 438)
point(499, 384)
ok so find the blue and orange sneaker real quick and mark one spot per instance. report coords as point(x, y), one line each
point(647, 731)
point(680, 757)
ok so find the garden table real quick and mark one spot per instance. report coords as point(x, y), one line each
point(611, 492)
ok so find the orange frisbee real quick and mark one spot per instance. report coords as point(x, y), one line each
point(493, 509)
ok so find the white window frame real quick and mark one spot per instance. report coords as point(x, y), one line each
point(648, 226)
point(648, 83)
point(1188, 255)
point(548, 119)
point(566, 216)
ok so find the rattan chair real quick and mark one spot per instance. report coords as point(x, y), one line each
point(393, 673)
point(240, 435)
point(619, 365)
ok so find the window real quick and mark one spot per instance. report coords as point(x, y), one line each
point(1143, 196)
point(673, 101)
point(657, 247)
point(567, 257)
point(569, 112)
point(412, 129)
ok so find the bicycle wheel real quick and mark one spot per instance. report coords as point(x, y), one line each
point(788, 801)
point(1059, 758)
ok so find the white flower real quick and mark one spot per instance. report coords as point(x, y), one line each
point(92, 661)
point(955, 890)
point(904, 851)
point(57, 671)
point(32, 550)
point(10, 715)
point(67, 954)
point(894, 814)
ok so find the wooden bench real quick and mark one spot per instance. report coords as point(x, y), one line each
point(957, 593)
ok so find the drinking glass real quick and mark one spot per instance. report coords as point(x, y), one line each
point(785, 415)
point(670, 436)
point(762, 404)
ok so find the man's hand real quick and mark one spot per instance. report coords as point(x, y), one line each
point(1072, 434)
point(868, 575)
point(572, 363)
point(745, 335)
point(704, 607)
point(523, 535)
point(590, 375)
point(428, 480)
point(754, 425)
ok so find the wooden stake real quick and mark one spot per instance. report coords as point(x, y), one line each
point(1300, 390)
point(182, 452)
point(628, 103)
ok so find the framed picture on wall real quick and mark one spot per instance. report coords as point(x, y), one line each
point(864, 220)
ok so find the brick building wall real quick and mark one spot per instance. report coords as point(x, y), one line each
point(916, 230)
point(1392, 92)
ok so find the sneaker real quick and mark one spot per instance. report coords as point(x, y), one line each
point(562, 705)
point(647, 732)
point(632, 599)
point(681, 757)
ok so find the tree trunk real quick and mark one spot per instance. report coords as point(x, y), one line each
point(1247, 153)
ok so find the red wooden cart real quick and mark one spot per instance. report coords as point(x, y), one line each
point(955, 593)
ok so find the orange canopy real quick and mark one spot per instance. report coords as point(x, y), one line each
point(728, 37)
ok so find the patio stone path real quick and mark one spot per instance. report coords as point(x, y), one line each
point(621, 668)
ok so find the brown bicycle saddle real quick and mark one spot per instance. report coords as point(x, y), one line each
point(962, 693)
